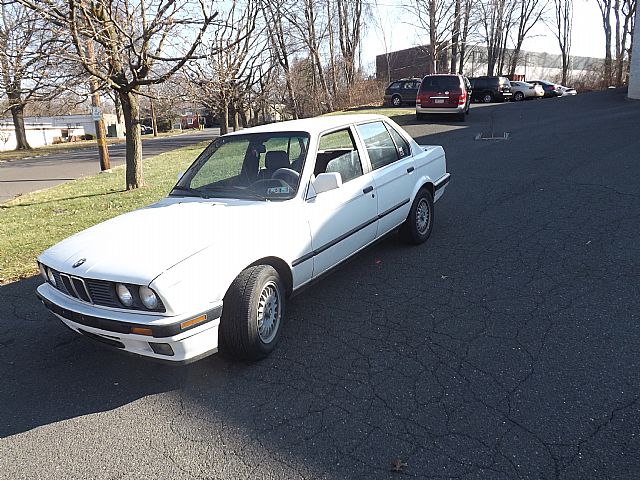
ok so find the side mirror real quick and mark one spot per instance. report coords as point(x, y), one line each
point(327, 181)
point(180, 175)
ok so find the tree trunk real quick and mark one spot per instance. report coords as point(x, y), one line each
point(465, 35)
point(223, 116)
point(118, 107)
point(17, 113)
point(131, 111)
point(455, 37)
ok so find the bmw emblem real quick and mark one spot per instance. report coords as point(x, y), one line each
point(79, 262)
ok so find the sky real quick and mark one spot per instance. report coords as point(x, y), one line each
point(391, 26)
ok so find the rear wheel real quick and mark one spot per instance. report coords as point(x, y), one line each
point(396, 100)
point(461, 117)
point(518, 96)
point(252, 314)
point(416, 229)
point(420, 116)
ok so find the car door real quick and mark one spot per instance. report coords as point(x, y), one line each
point(391, 162)
point(343, 220)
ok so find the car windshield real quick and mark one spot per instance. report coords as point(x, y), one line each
point(257, 166)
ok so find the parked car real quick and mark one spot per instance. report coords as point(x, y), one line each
point(145, 130)
point(491, 89)
point(525, 90)
point(402, 92)
point(550, 89)
point(450, 94)
point(260, 213)
point(567, 91)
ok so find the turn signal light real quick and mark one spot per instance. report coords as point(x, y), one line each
point(193, 321)
point(142, 331)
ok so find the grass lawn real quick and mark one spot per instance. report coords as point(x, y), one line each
point(35, 221)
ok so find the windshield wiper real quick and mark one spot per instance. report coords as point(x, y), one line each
point(198, 193)
point(236, 192)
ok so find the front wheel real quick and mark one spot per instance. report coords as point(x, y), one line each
point(396, 101)
point(487, 97)
point(518, 97)
point(252, 313)
point(416, 229)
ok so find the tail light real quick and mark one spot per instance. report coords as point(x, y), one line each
point(421, 97)
point(462, 99)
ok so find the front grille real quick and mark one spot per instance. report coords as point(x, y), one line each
point(98, 292)
point(103, 293)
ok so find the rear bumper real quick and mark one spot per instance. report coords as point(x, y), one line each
point(168, 341)
point(444, 109)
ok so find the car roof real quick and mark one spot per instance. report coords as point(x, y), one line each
point(312, 125)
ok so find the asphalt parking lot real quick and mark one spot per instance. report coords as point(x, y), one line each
point(507, 346)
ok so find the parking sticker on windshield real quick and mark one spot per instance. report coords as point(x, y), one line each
point(277, 190)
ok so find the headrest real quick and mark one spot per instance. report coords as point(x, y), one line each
point(277, 159)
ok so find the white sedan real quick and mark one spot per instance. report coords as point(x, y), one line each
point(260, 214)
point(525, 90)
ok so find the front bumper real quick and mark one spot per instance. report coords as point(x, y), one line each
point(166, 339)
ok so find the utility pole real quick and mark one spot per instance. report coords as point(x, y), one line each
point(96, 113)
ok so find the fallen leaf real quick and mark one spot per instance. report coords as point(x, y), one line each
point(398, 465)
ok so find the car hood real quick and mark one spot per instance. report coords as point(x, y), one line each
point(138, 246)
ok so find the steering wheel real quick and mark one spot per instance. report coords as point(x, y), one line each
point(287, 174)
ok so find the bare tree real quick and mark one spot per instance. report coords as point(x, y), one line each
point(306, 20)
point(30, 66)
point(232, 60)
point(350, 26)
point(494, 19)
point(280, 44)
point(467, 25)
point(605, 7)
point(529, 13)
point(624, 12)
point(133, 38)
point(435, 18)
point(562, 31)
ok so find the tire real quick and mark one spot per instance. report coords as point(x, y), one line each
point(518, 96)
point(487, 97)
point(461, 117)
point(396, 101)
point(253, 313)
point(420, 116)
point(417, 228)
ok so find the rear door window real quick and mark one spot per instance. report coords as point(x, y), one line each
point(337, 152)
point(382, 151)
point(404, 150)
point(440, 82)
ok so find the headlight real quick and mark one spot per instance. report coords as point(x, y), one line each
point(124, 295)
point(43, 272)
point(148, 297)
point(51, 278)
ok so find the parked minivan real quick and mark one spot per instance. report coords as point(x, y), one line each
point(491, 89)
point(444, 93)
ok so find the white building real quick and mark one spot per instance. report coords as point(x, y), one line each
point(38, 135)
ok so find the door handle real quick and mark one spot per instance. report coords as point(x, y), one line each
point(410, 169)
point(367, 190)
